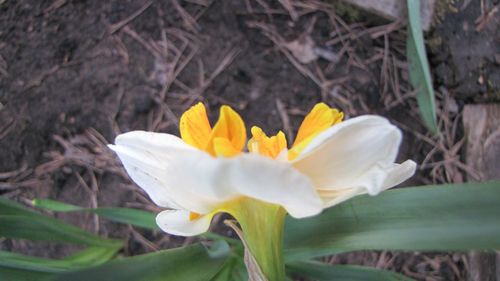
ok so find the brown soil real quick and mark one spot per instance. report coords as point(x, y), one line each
point(73, 74)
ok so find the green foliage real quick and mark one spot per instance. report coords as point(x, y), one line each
point(19, 222)
point(444, 217)
point(14, 274)
point(134, 217)
point(188, 263)
point(325, 272)
point(233, 270)
point(419, 73)
point(192, 263)
point(88, 257)
point(455, 217)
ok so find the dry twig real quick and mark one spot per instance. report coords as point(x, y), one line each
point(117, 26)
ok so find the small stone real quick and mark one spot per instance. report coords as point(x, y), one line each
point(480, 80)
point(303, 49)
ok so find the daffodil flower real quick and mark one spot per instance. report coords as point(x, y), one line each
point(207, 170)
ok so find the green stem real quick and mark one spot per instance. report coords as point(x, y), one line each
point(262, 225)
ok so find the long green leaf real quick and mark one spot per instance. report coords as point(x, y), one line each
point(191, 263)
point(124, 215)
point(9, 207)
point(87, 257)
point(48, 229)
point(17, 221)
point(233, 270)
point(92, 256)
point(16, 267)
point(325, 272)
point(444, 217)
point(419, 73)
point(14, 274)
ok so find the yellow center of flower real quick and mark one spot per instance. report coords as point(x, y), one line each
point(228, 136)
point(318, 120)
point(268, 146)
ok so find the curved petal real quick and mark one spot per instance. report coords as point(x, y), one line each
point(194, 126)
point(178, 222)
point(155, 142)
point(341, 156)
point(229, 126)
point(275, 182)
point(155, 168)
point(147, 157)
point(334, 197)
point(153, 145)
point(319, 119)
point(195, 181)
point(140, 173)
point(223, 147)
point(398, 173)
point(373, 182)
point(268, 146)
point(223, 179)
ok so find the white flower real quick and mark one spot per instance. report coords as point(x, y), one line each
point(206, 172)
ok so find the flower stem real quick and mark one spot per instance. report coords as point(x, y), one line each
point(262, 225)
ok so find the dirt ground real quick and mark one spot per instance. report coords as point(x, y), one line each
point(73, 74)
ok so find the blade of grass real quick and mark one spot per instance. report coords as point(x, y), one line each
point(419, 72)
point(134, 217)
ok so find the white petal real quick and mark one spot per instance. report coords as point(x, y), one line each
point(145, 174)
point(373, 182)
point(197, 182)
point(334, 197)
point(250, 175)
point(398, 173)
point(155, 142)
point(339, 157)
point(146, 157)
point(274, 182)
point(177, 222)
point(381, 177)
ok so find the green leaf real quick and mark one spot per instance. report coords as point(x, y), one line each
point(55, 206)
point(191, 263)
point(325, 272)
point(218, 249)
point(134, 217)
point(48, 229)
point(14, 274)
point(17, 221)
point(454, 217)
point(87, 257)
point(419, 74)
point(9, 207)
point(233, 270)
point(92, 256)
point(16, 267)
